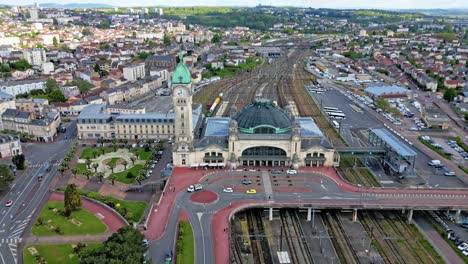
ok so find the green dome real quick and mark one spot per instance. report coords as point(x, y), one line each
point(182, 73)
point(263, 117)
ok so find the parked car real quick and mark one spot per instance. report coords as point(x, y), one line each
point(8, 203)
point(251, 191)
point(246, 181)
point(463, 246)
point(291, 172)
point(449, 173)
point(276, 172)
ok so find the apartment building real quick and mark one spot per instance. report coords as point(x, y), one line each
point(128, 91)
point(22, 86)
point(44, 129)
point(35, 56)
point(134, 72)
point(9, 146)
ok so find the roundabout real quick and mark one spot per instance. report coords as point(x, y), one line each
point(204, 197)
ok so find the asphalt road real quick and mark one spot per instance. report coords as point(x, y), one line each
point(27, 193)
point(318, 190)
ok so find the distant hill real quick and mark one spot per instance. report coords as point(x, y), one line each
point(76, 5)
point(71, 5)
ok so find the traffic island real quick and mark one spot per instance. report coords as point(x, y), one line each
point(204, 197)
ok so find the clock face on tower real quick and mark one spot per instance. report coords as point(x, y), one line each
point(180, 92)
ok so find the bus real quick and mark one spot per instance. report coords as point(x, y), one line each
point(330, 108)
point(336, 124)
point(336, 115)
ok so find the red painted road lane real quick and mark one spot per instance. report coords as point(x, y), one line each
point(112, 221)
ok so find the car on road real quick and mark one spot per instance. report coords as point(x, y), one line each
point(191, 188)
point(145, 242)
point(246, 181)
point(168, 256)
point(291, 172)
point(449, 173)
point(198, 187)
point(228, 190)
point(251, 191)
point(276, 172)
point(8, 203)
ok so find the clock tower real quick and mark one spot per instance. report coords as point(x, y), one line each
point(182, 101)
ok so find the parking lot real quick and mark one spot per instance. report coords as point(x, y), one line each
point(359, 120)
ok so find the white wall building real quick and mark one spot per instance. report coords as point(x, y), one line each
point(25, 86)
point(35, 56)
point(134, 72)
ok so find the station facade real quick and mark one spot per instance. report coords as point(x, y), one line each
point(261, 134)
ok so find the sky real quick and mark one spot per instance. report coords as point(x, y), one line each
point(383, 4)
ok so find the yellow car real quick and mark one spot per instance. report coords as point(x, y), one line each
point(251, 191)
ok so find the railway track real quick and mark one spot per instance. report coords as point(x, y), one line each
point(259, 244)
point(298, 249)
point(340, 240)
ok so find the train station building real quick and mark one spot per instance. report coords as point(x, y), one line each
point(261, 134)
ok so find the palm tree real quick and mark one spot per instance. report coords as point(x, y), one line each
point(112, 178)
point(101, 141)
point(125, 163)
point(100, 176)
point(67, 158)
point(103, 150)
point(95, 166)
point(65, 165)
point(74, 171)
point(95, 153)
point(125, 141)
point(88, 162)
point(133, 159)
point(111, 166)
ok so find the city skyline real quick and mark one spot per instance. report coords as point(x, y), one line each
point(397, 4)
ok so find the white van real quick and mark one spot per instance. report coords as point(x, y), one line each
point(434, 163)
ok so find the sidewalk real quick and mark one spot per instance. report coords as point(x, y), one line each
point(66, 239)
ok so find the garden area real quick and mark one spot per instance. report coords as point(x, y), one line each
point(130, 210)
point(185, 244)
point(117, 161)
point(53, 220)
point(56, 254)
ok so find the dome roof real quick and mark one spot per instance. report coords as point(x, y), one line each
point(263, 117)
point(182, 73)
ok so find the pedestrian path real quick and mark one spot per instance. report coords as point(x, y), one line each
point(267, 184)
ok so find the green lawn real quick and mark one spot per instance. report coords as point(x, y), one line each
point(113, 161)
point(88, 223)
point(185, 244)
point(135, 209)
point(143, 154)
point(82, 168)
point(88, 152)
point(122, 176)
point(55, 254)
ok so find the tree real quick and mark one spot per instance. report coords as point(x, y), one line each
point(88, 162)
point(382, 104)
point(6, 177)
point(112, 178)
point(97, 68)
point(95, 166)
point(72, 198)
point(51, 85)
point(114, 144)
point(166, 40)
point(122, 247)
point(450, 94)
point(18, 160)
point(112, 167)
point(216, 38)
point(466, 116)
point(74, 171)
point(21, 65)
point(95, 153)
point(84, 86)
point(88, 174)
point(125, 163)
point(55, 41)
point(100, 176)
point(133, 159)
point(86, 32)
point(62, 170)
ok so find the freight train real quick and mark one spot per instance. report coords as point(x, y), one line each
point(212, 108)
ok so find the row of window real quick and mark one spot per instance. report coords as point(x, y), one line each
point(145, 120)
